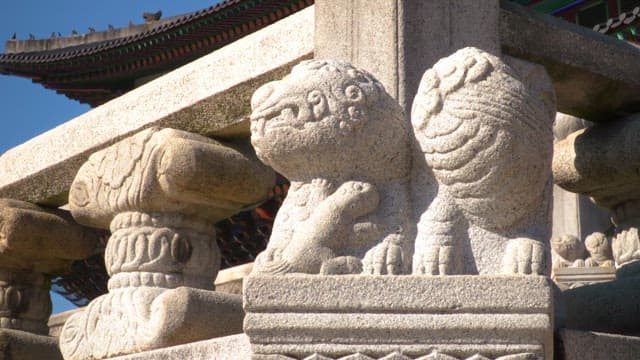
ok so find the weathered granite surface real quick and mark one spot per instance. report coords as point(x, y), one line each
point(209, 96)
point(580, 345)
point(230, 279)
point(233, 347)
point(15, 344)
point(343, 142)
point(485, 130)
point(35, 244)
point(590, 86)
point(160, 192)
point(336, 316)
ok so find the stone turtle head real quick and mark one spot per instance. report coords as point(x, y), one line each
point(326, 117)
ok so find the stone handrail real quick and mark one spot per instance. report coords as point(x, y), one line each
point(210, 96)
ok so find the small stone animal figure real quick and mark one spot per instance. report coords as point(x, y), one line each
point(568, 251)
point(343, 142)
point(599, 248)
point(485, 129)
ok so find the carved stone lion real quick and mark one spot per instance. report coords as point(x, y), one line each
point(485, 129)
point(343, 142)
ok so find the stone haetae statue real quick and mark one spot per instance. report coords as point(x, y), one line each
point(485, 128)
point(343, 142)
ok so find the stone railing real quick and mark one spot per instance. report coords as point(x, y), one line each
point(379, 210)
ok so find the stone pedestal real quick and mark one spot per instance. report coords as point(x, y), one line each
point(572, 277)
point(35, 244)
point(232, 347)
point(16, 344)
point(399, 317)
point(160, 192)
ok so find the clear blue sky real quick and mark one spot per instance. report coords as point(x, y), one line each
point(28, 109)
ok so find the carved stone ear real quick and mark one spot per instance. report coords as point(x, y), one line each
point(357, 118)
point(318, 103)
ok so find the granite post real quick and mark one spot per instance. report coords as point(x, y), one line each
point(35, 245)
point(160, 192)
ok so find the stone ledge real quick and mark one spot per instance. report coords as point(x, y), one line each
point(572, 277)
point(15, 344)
point(234, 347)
point(403, 294)
point(579, 345)
point(299, 315)
point(209, 96)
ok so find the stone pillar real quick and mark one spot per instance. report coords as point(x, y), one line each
point(160, 192)
point(35, 244)
point(397, 40)
point(602, 162)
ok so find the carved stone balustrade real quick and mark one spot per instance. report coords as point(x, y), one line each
point(160, 192)
point(483, 126)
point(602, 162)
point(35, 244)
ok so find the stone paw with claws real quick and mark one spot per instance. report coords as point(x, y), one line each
point(386, 258)
point(437, 260)
point(524, 256)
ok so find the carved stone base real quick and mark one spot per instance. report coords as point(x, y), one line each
point(131, 320)
point(497, 317)
point(573, 277)
point(16, 344)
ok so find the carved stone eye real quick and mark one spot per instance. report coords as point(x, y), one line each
point(353, 93)
point(314, 97)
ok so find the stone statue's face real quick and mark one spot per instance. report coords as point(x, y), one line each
point(309, 112)
point(568, 246)
point(596, 243)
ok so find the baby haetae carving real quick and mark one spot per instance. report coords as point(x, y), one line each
point(160, 192)
point(343, 142)
point(485, 129)
point(569, 251)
